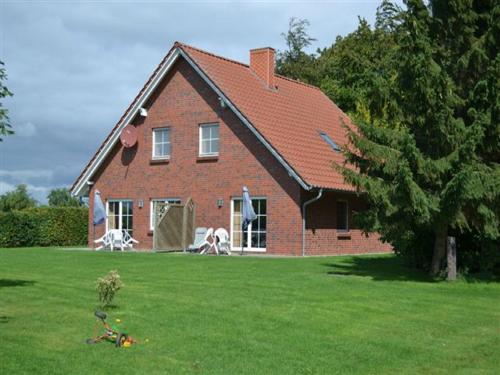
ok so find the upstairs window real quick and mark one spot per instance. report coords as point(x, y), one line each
point(161, 143)
point(342, 216)
point(209, 140)
point(328, 140)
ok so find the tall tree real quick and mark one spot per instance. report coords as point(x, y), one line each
point(356, 71)
point(433, 168)
point(62, 198)
point(5, 127)
point(294, 62)
point(18, 199)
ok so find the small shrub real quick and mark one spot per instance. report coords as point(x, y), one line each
point(107, 287)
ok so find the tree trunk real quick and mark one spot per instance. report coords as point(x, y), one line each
point(452, 258)
point(439, 249)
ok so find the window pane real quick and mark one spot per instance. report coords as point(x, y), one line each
point(214, 131)
point(262, 207)
point(214, 146)
point(205, 132)
point(342, 216)
point(237, 205)
point(262, 240)
point(205, 147)
point(165, 135)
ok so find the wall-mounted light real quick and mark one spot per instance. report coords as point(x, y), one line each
point(143, 112)
point(222, 103)
point(220, 202)
point(140, 203)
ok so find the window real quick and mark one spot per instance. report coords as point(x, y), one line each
point(161, 143)
point(209, 140)
point(342, 216)
point(254, 238)
point(328, 140)
point(157, 207)
point(119, 215)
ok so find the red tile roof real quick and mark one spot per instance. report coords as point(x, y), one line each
point(289, 118)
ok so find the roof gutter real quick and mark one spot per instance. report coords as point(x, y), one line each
point(304, 206)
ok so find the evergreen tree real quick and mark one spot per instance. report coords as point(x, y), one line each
point(294, 62)
point(433, 168)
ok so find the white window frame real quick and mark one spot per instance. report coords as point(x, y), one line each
point(151, 207)
point(237, 247)
point(161, 157)
point(200, 139)
point(120, 212)
point(347, 219)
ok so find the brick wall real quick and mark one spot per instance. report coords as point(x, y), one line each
point(182, 102)
point(322, 237)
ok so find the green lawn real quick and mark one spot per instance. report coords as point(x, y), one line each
point(233, 315)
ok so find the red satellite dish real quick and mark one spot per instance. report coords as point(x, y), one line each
point(128, 137)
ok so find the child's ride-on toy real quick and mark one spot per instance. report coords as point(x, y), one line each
point(111, 334)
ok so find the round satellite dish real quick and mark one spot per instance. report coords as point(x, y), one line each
point(128, 137)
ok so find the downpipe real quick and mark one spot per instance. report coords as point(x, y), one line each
point(304, 206)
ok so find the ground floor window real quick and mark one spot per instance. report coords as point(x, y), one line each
point(254, 238)
point(158, 207)
point(342, 216)
point(120, 215)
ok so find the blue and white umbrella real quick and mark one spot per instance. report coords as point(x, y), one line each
point(99, 210)
point(247, 215)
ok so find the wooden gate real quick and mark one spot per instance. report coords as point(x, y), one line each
point(174, 229)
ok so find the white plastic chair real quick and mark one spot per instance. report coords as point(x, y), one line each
point(116, 238)
point(206, 245)
point(128, 239)
point(104, 241)
point(221, 241)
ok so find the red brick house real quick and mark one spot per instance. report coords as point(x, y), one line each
point(206, 127)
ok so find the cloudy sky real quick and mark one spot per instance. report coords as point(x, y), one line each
point(74, 66)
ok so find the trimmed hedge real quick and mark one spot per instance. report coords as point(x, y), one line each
point(44, 226)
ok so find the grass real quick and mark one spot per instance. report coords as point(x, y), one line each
point(243, 315)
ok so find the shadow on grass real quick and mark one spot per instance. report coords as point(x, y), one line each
point(4, 319)
point(5, 283)
point(378, 268)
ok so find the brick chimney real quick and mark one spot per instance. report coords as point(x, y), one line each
point(262, 62)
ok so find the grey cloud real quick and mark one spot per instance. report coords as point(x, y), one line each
point(75, 67)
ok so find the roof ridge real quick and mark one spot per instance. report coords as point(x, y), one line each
point(180, 44)
point(297, 82)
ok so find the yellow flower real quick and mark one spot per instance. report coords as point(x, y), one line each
point(118, 320)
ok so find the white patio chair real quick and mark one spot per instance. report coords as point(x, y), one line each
point(221, 241)
point(116, 239)
point(208, 241)
point(199, 237)
point(105, 241)
point(129, 240)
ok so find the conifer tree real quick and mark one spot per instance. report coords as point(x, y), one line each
point(433, 169)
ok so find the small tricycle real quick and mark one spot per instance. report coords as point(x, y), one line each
point(111, 334)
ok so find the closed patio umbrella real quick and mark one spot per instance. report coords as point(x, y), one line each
point(99, 210)
point(247, 214)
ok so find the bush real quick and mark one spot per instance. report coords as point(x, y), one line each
point(44, 226)
point(107, 287)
